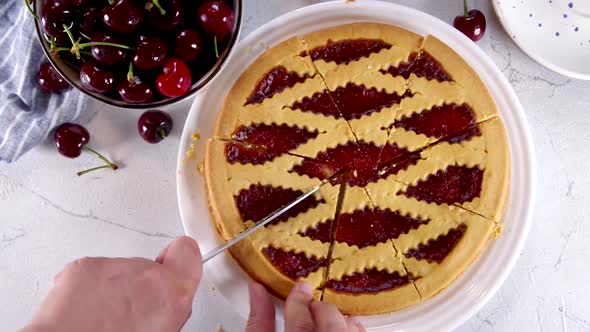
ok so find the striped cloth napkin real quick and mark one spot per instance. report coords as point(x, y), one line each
point(27, 114)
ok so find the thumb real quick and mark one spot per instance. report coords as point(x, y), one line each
point(262, 310)
point(183, 257)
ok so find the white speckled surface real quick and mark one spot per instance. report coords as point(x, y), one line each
point(48, 216)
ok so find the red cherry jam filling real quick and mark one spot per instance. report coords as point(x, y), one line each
point(439, 121)
point(422, 65)
point(367, 227)
point(456, 184)
point(359, 158)
point(464, 135)
point(273, 82)
point(355, 101)
point(437, 249)
point(319, 102)
point(265, 142)
point(345, 51)
point(321, 232)
point(293, 265)
point(351, 101)
point(368, 281)
point(258, 201)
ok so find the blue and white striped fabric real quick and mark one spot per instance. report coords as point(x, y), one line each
point(27, 114)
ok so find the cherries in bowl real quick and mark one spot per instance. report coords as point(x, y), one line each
point(134, 62)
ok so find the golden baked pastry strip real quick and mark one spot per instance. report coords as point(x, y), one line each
point(224, 181)
point(488, 152)
point(439, 250)
point(369, 279)
point(476, 93)
point(285, 239)
point(401, 43)
point(396, 46)
point(281, 107)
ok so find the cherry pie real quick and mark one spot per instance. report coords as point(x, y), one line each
point(423, 156)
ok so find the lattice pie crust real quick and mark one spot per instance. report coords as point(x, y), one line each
point(440, 232)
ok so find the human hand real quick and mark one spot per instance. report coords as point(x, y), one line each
point(302, 314)
point(124, 294)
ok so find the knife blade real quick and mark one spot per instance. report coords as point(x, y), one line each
point(216, 251)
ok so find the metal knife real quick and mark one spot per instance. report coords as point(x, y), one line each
point(214, 252)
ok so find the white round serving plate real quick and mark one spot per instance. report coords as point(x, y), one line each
point(554, 33)
point(471, 290)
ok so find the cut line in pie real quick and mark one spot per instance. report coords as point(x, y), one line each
point(414, 131)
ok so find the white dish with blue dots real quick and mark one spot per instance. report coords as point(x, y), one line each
point(555, 33)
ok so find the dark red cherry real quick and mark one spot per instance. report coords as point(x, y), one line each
point(137, 92)
point(168, 21)
point(50, 80)
point(150, 52)
point(108, 55)
point(472, 23)
point(217, 19)
point(189, 45)
point(175, 79)
point(123, 16)
point(54, 14)
point(96, 79)
point(85, 5)
point(154, 126)
point(70, 138)
point(88, 21)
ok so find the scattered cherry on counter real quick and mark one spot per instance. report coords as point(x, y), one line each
point(472, 23)
point(71, 140)
point(154, 126)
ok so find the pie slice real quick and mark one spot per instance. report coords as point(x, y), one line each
point(469, 170)
point(242, 194)
point(278, 106)
point(449, 98)
point(349, 58)
point(366, 275)
point(438, 242)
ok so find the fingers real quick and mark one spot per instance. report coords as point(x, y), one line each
point(354, 325)
point(298, 317)
point(327, 317)
point(183, 257)
point(162, 254)
point(262, 310)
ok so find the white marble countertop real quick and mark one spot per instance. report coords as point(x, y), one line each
point(49, 216)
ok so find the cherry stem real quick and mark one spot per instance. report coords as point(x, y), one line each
point(465, 10)
point(215, 46)
point(157, 4)
point(101, 157)
point(130, 76)
point(84, 45)
point(69, 33)
point(92, 169)
point(75, 49)
point(84, 35)
point(28, 5)
point(162, 133)
point(111, 2)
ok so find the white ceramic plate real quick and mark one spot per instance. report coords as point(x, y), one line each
point(477, 285)
point(554, 33)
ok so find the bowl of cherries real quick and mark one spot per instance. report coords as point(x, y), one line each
point(138, 53)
